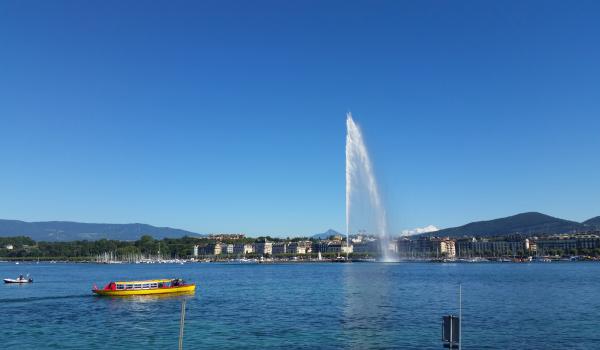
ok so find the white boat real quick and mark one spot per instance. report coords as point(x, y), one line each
point(21, 279)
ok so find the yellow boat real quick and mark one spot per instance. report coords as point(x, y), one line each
point(124, 288)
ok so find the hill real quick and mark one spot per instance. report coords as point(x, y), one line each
point(71, 231)
point(526, 223)
point(326, 234)
point(593, 223)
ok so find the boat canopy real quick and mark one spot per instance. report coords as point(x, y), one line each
point(146, 281)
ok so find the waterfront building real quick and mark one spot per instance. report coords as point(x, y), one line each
point(487, 248)
point(298, 247)
point(347, 249)
point(366, 247)
point(9, 247)
point(308, 246)
point(393, 246)
point(532, 246)
point(426, 247)
point(448, 248)
point(320, 246)
point(295, 248)
point(263, 248)
point(279, 248)
point(567, 244)
point(242, 249)
point(226, 248)
point(334, 246)
point(212, 249)
point(195, 250)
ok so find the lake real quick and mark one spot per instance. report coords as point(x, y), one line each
point(306, 306)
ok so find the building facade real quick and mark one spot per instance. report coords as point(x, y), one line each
point(279, 248)
point(263, 248)
point(426, 247)
point(243, 249)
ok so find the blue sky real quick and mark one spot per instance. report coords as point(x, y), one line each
point(230, 115)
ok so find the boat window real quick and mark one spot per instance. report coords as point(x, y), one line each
point(120, 286)
point(129, 286)
point(137, 286)
point(145, 286)
point(154, 285)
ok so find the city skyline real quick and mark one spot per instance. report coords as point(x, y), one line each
point(216, 118)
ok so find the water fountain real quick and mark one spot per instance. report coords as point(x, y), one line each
point(362, 191)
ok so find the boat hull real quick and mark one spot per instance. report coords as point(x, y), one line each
point(179, 289)
point(8, 280)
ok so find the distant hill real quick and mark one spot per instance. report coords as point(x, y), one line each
point(71, 231)
point(594, 223)
point(526, 223)
point(326, 234)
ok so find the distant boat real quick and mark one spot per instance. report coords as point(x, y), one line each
point(21, 279)
point(125, 288)
point(341, 259)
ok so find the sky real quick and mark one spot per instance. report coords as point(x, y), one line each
point(229, 116)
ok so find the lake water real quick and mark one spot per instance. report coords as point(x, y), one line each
point(307, 306)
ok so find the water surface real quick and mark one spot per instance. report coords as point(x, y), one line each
point(307, 306)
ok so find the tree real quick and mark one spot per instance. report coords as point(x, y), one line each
point(146, 244)
point(573, 251)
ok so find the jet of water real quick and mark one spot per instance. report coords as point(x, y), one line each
point(361, 187)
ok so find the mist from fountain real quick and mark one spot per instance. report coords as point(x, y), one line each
point(364, 207)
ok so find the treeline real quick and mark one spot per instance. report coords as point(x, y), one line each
point(25, 247)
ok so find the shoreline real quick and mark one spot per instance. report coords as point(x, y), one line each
point(546, 260)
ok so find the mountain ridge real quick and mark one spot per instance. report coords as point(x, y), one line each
point(528, 223)
point(593, 222)
point(70, 230)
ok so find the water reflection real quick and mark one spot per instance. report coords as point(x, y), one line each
point(144, 303)
point(368, 305)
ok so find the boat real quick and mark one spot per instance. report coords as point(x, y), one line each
point(147, 287)
point(21, 279)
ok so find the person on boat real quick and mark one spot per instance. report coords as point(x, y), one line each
point(21, 277)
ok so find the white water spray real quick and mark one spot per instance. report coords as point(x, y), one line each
point(362, 189)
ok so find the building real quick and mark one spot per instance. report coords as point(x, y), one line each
point(320, 246)
point(212, 249)
point(279, 248)
point(226, 248)
point(426, 247)
point(243, 249)
point(448, 248)
point(337, 237)
point(9, 247)
point(334, 246)
point(303, 247)
point(195, 250)
point(567, 244)
point(263, 248)
point(366, 247)
point(484, 247)
point(347, 249)
point(226, 236)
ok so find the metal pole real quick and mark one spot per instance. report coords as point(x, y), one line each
point(460, 316)
point(451, 334)
point(181, 324)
